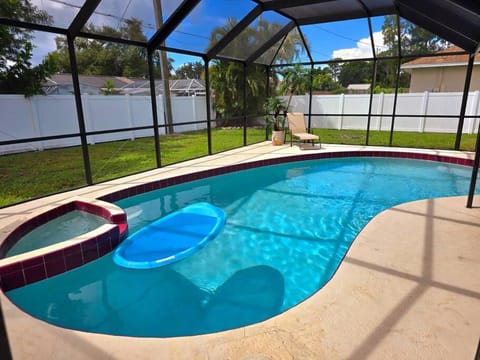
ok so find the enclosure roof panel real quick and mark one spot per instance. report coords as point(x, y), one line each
point(208, 23)
point(55, 13)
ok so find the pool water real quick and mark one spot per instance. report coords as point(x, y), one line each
point(64, 227)
point(288, 228)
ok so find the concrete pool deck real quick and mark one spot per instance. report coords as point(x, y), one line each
point(408, 288)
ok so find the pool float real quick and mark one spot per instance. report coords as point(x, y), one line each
point(171, 238)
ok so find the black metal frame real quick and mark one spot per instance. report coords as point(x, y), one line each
point(82, 17)
point(426, 12)
point(423, 12)
point(242, 24)
point(80, 116)
point(463, 107)
point(153, 100)
point(269, 43)
point(172, 22)
point(397, 80)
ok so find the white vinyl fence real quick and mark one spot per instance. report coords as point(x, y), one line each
point(419, 104)
point(52, 115)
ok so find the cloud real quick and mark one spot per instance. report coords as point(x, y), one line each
point(44, 43)
point(363, 49)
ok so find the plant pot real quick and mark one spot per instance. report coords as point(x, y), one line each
point(278, 137)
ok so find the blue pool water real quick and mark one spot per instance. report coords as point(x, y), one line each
point(288, 228)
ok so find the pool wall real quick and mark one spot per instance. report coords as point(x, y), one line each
point(27, 268)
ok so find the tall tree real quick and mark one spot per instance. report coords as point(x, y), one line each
point(296, 80)
point(335, 67)
point(191, 70)
point(17, 75)
point(98, 57)
point(226, 81)
point(323, 80)
point(226, 78)
point(413, 40)
point(355, 72)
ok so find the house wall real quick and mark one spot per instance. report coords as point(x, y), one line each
point(443, 79)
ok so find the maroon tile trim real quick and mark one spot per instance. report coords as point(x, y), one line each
point(54, 263)
point(73, 257)
point(34, 273)
point(41, 267)
point(58, 261)
point(12, 280)
point(90, 250)
point(158, 184)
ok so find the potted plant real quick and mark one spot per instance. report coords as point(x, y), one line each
point(275, 114)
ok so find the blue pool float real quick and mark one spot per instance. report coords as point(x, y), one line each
point(171, 238)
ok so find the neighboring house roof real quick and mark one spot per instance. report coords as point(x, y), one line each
point(187, 84)
point(90, 80)
point(441, 61)
point(133, 86)
point(179, 86)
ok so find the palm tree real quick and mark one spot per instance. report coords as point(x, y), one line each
point(296, 79)
point(226, 81)
point(226, 78)
point(292, 48)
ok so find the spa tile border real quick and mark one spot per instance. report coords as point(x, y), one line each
point(17, 273)
point(159, 184)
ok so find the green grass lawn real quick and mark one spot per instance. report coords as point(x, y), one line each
point(400, 139)
point(33, 174)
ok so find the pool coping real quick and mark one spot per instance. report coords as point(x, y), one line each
point(56, 259)
point(49, 261)
point(155, 185)
point(309, 330)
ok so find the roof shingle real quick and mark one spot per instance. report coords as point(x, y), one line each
point(441, 60)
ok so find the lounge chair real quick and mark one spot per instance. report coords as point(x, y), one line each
point(296, 126)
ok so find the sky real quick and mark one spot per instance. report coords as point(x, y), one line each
point(348, 39)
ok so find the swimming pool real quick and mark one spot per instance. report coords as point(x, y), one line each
point(288, 228)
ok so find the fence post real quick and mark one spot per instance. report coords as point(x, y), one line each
point(380, 110)
point(89, 122)
point(194, 111)
point(35, 122)
point(128, 100)
point(474, 111)
point(341, 105)
point(423, 111)
point(161, 112)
